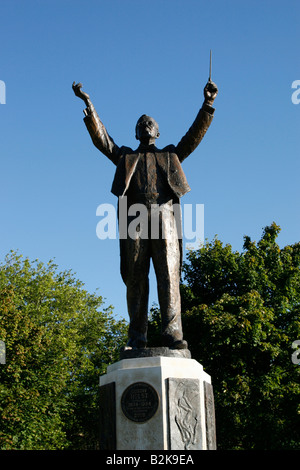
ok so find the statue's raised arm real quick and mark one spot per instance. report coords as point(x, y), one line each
point(198, 129)
point(97, 131)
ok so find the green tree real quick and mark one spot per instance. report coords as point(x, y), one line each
point(240, 318)
point(59, 339)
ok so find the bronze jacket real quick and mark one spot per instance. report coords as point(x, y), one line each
point(169, 158)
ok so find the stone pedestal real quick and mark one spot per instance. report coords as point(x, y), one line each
point(157, 402)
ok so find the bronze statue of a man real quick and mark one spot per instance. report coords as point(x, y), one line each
point(154, 178)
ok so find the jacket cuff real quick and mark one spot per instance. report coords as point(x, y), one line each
point(89, 111)
point(87, 117)
point(208, 108)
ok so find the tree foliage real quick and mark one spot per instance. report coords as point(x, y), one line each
point(241, 316)
point(59, 340)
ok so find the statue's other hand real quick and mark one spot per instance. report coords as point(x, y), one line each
point(78, 92)
point(210, 92)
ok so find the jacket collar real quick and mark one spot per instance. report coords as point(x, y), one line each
point(146, 148)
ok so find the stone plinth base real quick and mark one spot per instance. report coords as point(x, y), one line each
point(157, 403)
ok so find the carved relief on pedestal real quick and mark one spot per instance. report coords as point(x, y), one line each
point(184, 414)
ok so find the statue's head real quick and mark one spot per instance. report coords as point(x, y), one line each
point(146, 129)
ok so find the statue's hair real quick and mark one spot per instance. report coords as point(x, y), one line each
point(146, 116)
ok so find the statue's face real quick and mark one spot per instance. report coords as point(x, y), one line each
point(146, 129)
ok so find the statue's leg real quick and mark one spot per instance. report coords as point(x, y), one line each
point(135, 263)
point(166, 255)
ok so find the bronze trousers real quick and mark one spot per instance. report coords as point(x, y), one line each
point(152, 236)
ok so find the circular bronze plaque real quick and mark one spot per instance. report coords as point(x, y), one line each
point(139, 402)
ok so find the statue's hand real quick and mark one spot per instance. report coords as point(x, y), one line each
point(81, 94)
point(210, 92)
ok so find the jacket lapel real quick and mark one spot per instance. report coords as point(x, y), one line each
point(163, 161)
point(171, 167)
point(131, 161)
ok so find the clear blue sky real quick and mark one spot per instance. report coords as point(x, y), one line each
point(137, 57)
